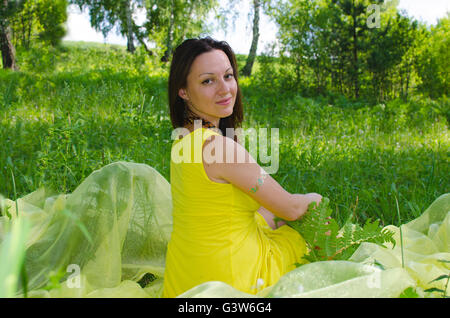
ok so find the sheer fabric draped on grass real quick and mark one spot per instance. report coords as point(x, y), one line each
point(116, 225)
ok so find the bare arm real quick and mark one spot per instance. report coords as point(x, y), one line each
point(246, 174)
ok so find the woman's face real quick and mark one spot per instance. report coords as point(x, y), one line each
point(209, 82)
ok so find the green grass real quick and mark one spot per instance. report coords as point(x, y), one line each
point(73, 110)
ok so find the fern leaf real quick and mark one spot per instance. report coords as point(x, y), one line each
point(326, 241)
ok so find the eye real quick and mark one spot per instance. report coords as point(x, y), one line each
point(208, 81)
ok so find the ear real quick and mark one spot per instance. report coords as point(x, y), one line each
point(182, 93)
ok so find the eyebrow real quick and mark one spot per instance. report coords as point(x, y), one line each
point(213, 73)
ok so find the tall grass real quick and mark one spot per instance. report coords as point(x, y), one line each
point(86, 106)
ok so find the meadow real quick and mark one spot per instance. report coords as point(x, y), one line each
point(72, 110)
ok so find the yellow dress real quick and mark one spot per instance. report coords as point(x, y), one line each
point(218, 234)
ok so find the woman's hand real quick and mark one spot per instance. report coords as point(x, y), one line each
point(313, 197)
point(303, 200)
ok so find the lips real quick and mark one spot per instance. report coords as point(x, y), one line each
point(224, 101)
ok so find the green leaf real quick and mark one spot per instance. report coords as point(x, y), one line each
point(409, 293)
point(54, 278)
point(326, 242)
point(12, 254)
point(440, 277)
point(7, 212)
point(430, 290)
point(381, 266)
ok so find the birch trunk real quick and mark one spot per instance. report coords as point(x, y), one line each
point(247, 70)
point(130, 38)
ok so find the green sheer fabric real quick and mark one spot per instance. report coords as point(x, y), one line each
point(114, 228)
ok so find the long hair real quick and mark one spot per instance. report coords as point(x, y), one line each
point(183, 57)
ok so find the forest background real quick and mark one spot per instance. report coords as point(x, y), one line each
point(358, 89)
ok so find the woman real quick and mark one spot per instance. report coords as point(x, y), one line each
point(223, 210)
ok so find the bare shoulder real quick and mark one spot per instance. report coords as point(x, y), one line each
point(223, 156)
point(219, 150)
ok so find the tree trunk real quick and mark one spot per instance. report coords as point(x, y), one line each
point(408, 73)
point(355, 54)
point(402, 74)
point(130, 38)
point(24, 31)
point(168, 50)
point(140, 37)
point(191, 9)
point(30, 27)
point(298, 79)
point(141, 40)
point(7, 48)
point(247, 70)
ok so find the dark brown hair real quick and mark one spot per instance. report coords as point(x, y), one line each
point(183, 57)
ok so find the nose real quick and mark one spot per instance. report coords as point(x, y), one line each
point(223, 87)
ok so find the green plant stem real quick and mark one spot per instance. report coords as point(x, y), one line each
point(15, 192)
point(23, 273)
point(446, 285)
point(401, 233)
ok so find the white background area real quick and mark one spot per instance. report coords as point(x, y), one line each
point(240, 36)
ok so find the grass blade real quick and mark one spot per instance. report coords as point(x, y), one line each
point(401, 233)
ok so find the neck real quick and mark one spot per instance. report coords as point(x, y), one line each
point(191, 117)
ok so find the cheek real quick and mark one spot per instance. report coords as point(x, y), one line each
point(204, 93)
point(233, 87)
point(207, 95)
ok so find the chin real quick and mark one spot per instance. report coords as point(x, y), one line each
point(227, 111)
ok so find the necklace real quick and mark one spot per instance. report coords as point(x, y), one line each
point(191, 117)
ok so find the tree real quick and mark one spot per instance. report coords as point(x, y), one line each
point(433, 59)
point(294, 20)
point(51, 16)
point(23, 24)
point(182, 18)
point(346, 46)
point(351, 17)
point(398, 36)
point(129, 24)
point(8, 9)
point(106, 14)
point(40, 20)
point(247, 70)
point(406, 67)
point(166, 21)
